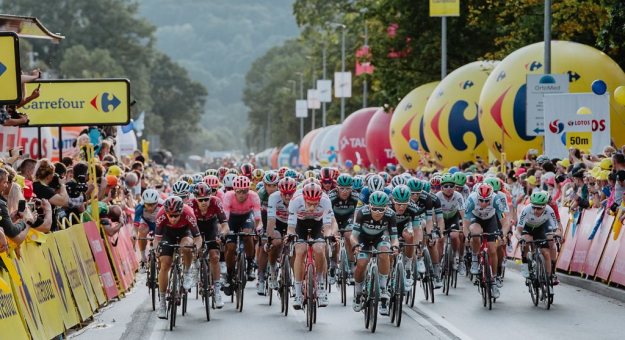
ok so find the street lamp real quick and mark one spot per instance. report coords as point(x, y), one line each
point(312, 59)
point(335, 24)
point(293, 82)
point(301, 96)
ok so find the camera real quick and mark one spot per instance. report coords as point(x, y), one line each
point(55, 183)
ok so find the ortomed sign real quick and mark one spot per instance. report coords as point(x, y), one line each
point(79, 102)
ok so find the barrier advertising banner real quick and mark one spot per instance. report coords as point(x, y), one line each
point(582, 244)
point(10, 318)
point(84, 251)
point(27, 301)
point(101, 259)
point(598, 245)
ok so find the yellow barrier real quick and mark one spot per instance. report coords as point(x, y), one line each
point(27, 301)
point(11, 323)
point(84, 252)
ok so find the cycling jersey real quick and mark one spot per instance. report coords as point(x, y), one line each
point(503, 198)
point(424, 205)
point(215, 210)
point(143, 217)
point(365, 224)
point(343, 209)
point(465, 192)
point(220, 194)
point(277, 209)
point(186, 221)
point(473, 210)
point(364, 196)
point(529, 219)
point(264, 198)
point(251, 205)
point(297, 211)
point(436, 205)
point(451, 206)
point(409, 219)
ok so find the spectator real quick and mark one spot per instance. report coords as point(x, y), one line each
point(579, 196)
point(78, 190)
point(43, 221)
point(61, 170)
point(618, 162)
point(11, 225)
point(49, 187)
point(132, 183)
point(68, 162)
point(27, 168)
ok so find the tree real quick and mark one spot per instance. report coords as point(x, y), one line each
point(80, 63)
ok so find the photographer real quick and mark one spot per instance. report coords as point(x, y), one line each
point(78, 189)
point(48, 186)
point(43, 221)
point(11, 225)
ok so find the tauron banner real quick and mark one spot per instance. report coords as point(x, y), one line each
point(79, 102)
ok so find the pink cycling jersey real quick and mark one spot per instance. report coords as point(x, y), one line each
point(251, 205)
point(220, 194)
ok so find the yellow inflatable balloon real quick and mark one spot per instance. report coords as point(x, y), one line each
point(406, 134)
point(619, 95)
point(502, 102)
point(452, 130)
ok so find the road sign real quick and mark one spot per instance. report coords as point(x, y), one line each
point(444, 8)
point(80, 102)
point(10, 73)
point(313, 99)
point(324, 88)
point(343, 84)
point(301, 108)
point(537, 86)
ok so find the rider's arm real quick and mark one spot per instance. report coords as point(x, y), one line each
point(392, 229)
point(256, 208)
point(272, 203)
point(138, 215)
point(468, 215)
point(328, 216)
point(160, 226)
point(292, 222)
point(195, 230)
point(356, 228)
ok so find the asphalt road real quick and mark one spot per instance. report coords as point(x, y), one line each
point(576, 314)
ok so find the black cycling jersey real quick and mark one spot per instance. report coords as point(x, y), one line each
point(424, 205)
point(408, 219)
point(365, 223)
point(343, 209)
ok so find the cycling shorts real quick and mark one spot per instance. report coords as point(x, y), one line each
point(240, 223)
point(308, 227)
point(173, 236)
point(209, 230)
point(489, 225)
point(538, 233)
point(370, 241)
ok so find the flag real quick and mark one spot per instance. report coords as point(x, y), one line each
point(138, 124)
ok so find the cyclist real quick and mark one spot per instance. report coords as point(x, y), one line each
point(182, 189)
point(483, 210)
point(425, 208)
point(374, 226)
point(344, 202)
point(327, 180)
point(452, 204)
point(257, 177)
point(212, 223)
point(495, 183)
point(374, 183)
point(460, 180)
point(310, 211)
point(213, 183)
point(407, 219)
point(537, 221)
point(242, 208)
point(277, 221)
point(358, 184)
point(228, 182)
point(270, 185)
point(175, 221)
point(246, 170)
point(145, 219)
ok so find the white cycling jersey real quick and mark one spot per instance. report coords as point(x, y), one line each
point(529, 219)
point(297, 211)
point(276, 208)
point(452, 205)
point(473, 208)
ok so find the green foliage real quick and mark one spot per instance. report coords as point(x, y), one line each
point(80, 63)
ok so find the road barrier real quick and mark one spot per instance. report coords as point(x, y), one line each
point(55, 281)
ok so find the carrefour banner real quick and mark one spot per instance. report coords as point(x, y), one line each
point(444, 8)
point(579, 120)
point(79, 102)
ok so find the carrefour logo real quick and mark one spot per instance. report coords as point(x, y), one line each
point(556, 126)
point(105, 102)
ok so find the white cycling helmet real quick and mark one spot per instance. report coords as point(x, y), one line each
point(181, 188)
point(197, 178)
point(150, 196)
point(229, 180)
point(398, 180)
point(376, 183)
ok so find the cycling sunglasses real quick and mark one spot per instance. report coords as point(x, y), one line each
point(182, 196)
point(538, 207)
point(484, 200)
point(345, 188)
point(203, 200)
point(149, 204)
point(173, 216)
point(287, 194)
point(242, 191)
point(378, 209)
point(448, 186)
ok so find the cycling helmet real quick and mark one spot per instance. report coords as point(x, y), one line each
point(484, 191)
point(181, 188)
point(398, 180)
point(401, 193)
point(173, 205)
point(358, 183)
point(259, 186)
point(258, 174)
point(435, 181)
point(539, 198)
point(212, 181)
point(335, 173)
point(542, 159)
point(241, 183)
point(415, 184)
point(287, 185)
point(232, 171)
point(282, 170)
point(367, 176)
point(326, 174)
point(407, 176)
point(201, 190)
point(271, 177)
point(447, 178)
point(290, 173)
point(345, 180)
point(246, 170)
point(310, 174)
point(460, 179)
point(378, 199)
point(150, 196)
point(222, 171)
point(479, 178)
point(186, 178)
point(494, 183)
point(376, 183)
point(385, 176)
point(470, 180)
point(300, 177)
point(311, 180)
point(426, 186)
point(197, 178)
point(312, 192)
point(211, 172)
point(229, 180)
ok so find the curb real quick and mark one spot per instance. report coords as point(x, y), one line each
point(577, 281)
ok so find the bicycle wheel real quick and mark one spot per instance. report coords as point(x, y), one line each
point(240, 281)
point(310, 296)
point(152, 279)
point(429, 269)
point(544, 281)
point(374, 299)
point(173, 296)
point(185, 296)
point(343, 275)
point(268, 291)
point(425, 277)
point(399, 293)
point(413, 292)
point(205, 274)
point(286, 283)
point(488, 278)
point(447, 269)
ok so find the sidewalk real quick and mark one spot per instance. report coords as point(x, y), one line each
point(577, 281)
